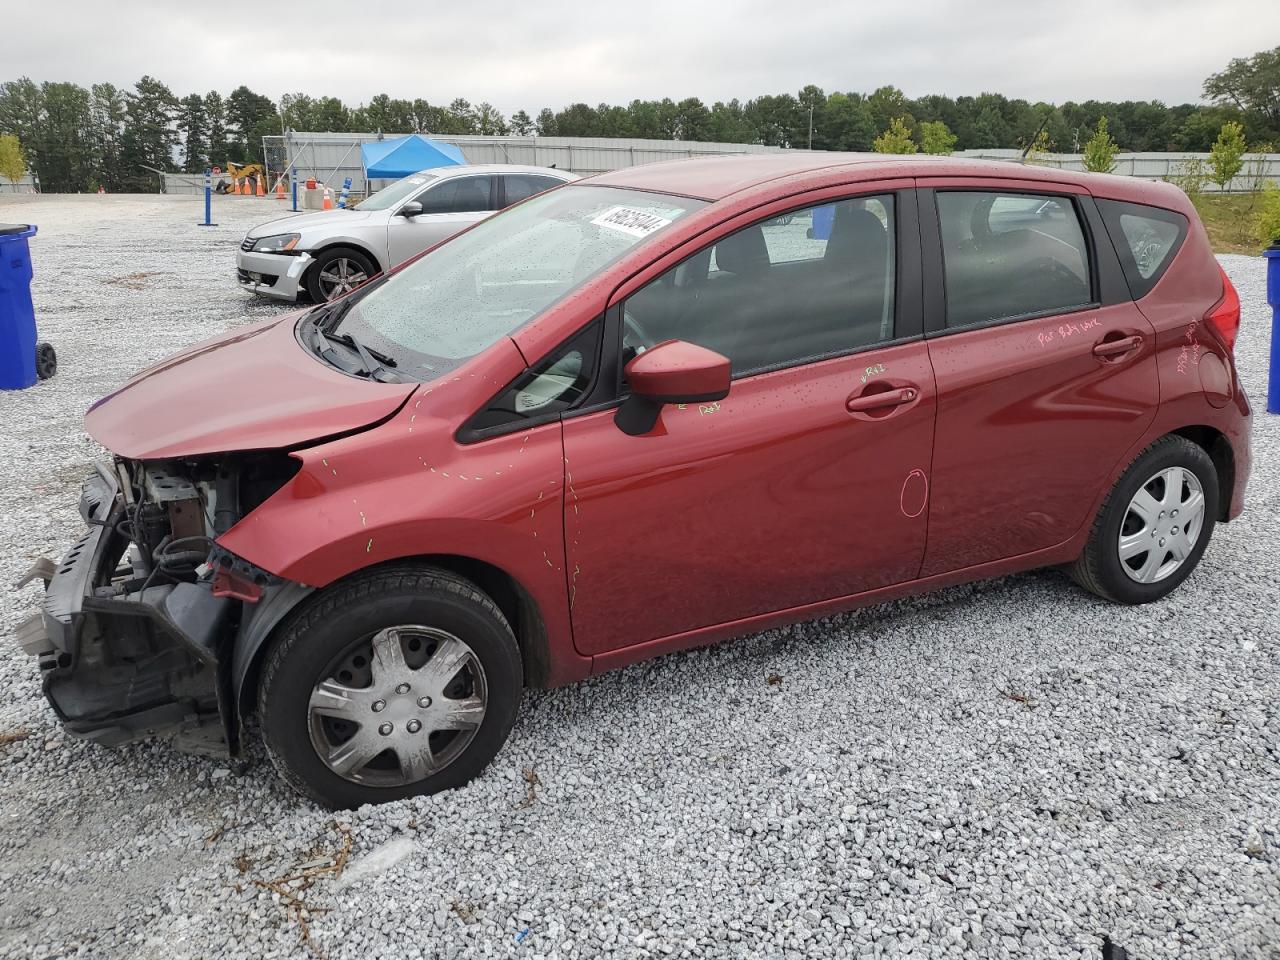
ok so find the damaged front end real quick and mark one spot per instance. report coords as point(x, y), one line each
point(141, 618)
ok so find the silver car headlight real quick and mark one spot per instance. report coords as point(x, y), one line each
point(278, 243)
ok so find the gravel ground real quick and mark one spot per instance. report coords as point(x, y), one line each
point(1010, 769)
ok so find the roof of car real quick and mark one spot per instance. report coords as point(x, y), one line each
point(713, 178)
point(470, 168)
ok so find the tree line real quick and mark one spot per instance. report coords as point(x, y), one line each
point(78, 139)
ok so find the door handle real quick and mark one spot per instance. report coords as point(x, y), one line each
point(1114, 348)
point(874, 401)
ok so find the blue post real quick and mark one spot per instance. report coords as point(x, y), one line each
point(293, 186)
point(1273, 297)
point(208, 199)
point(346, 192)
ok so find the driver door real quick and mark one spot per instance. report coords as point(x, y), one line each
point(808, 482)
point(448, 207)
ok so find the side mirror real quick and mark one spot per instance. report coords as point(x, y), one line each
point(410, 209)
point(674, 371)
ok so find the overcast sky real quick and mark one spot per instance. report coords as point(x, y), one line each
point(552, 52)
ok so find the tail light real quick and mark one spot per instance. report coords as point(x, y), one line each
point(1225, 315)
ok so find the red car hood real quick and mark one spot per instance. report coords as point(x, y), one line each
point(254, 388)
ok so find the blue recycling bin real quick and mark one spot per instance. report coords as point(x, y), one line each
point(22, 359)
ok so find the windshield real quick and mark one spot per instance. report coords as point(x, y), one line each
point(484, 284)
point(397, 193)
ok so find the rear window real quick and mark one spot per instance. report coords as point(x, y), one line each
point(1011, 255)
point(1146, 239)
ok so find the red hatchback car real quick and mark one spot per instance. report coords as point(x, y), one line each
point(635, 414)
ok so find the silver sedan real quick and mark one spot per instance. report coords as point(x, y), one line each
point(324, 255)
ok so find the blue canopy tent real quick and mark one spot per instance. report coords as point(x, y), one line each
point(393, 159)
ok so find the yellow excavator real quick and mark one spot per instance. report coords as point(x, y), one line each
point(236, 173)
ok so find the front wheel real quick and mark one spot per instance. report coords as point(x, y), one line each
point(393, 683)
point(1154, 525)
point(337, 272)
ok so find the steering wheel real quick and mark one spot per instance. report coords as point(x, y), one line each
point(1055, 269)
point(635, 339)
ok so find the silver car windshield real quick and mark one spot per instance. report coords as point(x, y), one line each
point(397, 193)
point(484, 284)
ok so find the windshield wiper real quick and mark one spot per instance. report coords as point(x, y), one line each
point(366, 352)
point(369, 364)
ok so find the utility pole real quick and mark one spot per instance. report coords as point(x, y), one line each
point(811, 126)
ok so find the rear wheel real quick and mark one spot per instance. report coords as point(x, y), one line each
point(397, 682)
point(338, 271)
point(1154, 525)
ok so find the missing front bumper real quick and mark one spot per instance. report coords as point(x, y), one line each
point(121, 664)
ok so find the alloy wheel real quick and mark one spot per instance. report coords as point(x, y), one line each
point(398, 707)
point(1162, 525)
point(341, 276)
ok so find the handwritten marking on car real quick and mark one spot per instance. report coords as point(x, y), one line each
point(907, 498)
point(872, 371)
point(1190, 353)
point(707, 409)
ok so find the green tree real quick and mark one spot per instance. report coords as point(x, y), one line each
point(545, 125)
point(520, 124)
point(847, 123)
point(1226, 156)
point(936, 137)
point(1100, 151)
point(64, 142)
point(250, 117)
point(193, 128)
point(215, 111)
point(13, 165)
point(897, 139)
point(489, 122)
point(148, 138)
point(107, 113)
point(1252, 85)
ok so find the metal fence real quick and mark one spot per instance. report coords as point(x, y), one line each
point(331, 157)
point(1259, 168)
point(25, 185)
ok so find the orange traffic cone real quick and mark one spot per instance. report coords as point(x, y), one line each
point(236, 189)
point(261, 190)
point(280, 189)
point(328, 199)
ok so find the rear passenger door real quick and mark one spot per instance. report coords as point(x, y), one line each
point(1044, 366)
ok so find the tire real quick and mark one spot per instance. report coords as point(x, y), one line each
point(331, 641)
point(337, 271)
point(1160, 549)
point(46, 360)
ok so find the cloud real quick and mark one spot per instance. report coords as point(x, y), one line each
point(555, 52)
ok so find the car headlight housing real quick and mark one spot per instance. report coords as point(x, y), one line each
point(278, 243)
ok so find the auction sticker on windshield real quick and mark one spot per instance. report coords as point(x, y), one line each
point(628, 220)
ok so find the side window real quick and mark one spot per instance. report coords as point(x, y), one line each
point(550, 388)
point(1011, 255)
point(1146, 239)
point(801, 286)
point(522, 186)
point(459, 195)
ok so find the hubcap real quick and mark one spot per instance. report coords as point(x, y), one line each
point(398, 707)
point(1161, 525)
point(341, 276)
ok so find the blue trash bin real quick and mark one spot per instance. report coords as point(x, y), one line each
point(22, 360)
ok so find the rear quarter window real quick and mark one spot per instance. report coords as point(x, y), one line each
point(1146, 239)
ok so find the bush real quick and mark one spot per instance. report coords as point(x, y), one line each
point(1100, 151)
point(897, 139)
point(1269, 215)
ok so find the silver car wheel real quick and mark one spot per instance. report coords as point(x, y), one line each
point(1162, 525)
point(399, 707)
point(341, 276)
